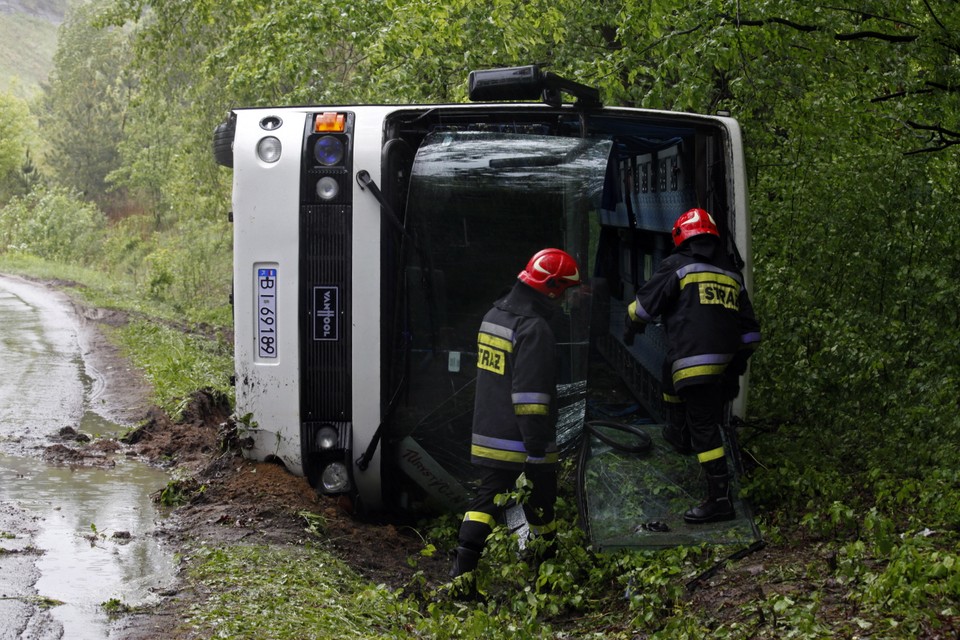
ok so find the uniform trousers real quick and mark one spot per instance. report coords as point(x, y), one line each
point(483, 512)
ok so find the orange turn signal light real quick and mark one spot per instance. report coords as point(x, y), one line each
point(330, 121)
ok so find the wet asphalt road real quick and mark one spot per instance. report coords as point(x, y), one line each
point(71, 537)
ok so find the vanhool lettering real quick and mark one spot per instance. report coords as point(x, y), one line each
point(326, 312)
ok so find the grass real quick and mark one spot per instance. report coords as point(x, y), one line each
point(288, 592)
point(889, 566)
point(176, 363)
point(107, 291)
point(94, 287)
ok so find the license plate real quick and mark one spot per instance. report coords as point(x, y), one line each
point(267, 313)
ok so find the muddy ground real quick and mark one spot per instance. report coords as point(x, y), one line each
point(244, 501)
point(256, 503)
point(250, 502)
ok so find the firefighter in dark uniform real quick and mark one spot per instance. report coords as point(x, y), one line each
point(515, 410)
point(711, 331)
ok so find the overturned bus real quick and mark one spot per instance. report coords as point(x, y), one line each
point(370, 240)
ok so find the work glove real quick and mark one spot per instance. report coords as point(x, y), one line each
point(632, 324)
point(730, 380)
point(729, 386)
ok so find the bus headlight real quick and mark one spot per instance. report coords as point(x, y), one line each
point(327, 188)
point(327, 437)
point(335, 478)
point(328, 150)
point(268, 149)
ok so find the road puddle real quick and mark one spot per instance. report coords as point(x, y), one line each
point(94, 528)
point(73, 537)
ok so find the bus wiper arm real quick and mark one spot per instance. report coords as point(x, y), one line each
point(366, 182)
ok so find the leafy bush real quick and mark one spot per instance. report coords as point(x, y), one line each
point(55, 224)
point(190, 268)
point(126, 246)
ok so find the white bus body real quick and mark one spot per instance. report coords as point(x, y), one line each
point(370, 240)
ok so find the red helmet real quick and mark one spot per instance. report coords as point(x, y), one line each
point(693, 223)
point(551, 272)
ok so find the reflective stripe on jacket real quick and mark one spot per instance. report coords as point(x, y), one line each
point(705, 310)
point(515, 411)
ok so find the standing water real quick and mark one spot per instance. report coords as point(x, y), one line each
point(76, 541)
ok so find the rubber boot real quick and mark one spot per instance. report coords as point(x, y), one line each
point(718, 506)
point(465, 560)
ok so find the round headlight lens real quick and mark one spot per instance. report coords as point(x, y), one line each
point(268, 149)
point(327, 437)
point(327, 188)
point(328, 150)
point(335, 477)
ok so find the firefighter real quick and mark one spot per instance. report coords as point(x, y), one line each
point(515, 410)
point(711, 331)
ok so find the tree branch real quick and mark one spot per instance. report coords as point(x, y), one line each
point(935, 17)
point(936, 128)
point(872, 16)
point(941, 139)
point(865, 35)
point(932, 87)
point(900, 94)
point(946, 88)
point(941, 147)
point(808, 28)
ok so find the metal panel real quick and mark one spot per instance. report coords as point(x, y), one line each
point(325, 299)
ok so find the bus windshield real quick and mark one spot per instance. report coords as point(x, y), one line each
point(479, 205)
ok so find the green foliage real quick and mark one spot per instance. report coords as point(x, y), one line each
point(85, 107)
point(13, 124)
point(192, 273)
point(127, 244)
point(177, 363)
point(114, 608)
point(850, 118)
point(54, 224)
point(316, 524)
point(262, 592)
point(183, 273)
point(180, 491)
point(912, 584)
point(579, 593)
point(17, 135)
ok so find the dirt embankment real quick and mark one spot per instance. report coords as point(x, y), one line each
point(241, 501)
point(251, 502)
point(259, 503)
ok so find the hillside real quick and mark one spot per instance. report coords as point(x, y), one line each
point(28, 40)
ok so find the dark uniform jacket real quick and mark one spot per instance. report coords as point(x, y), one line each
point(515, 414)
point(705, 310)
